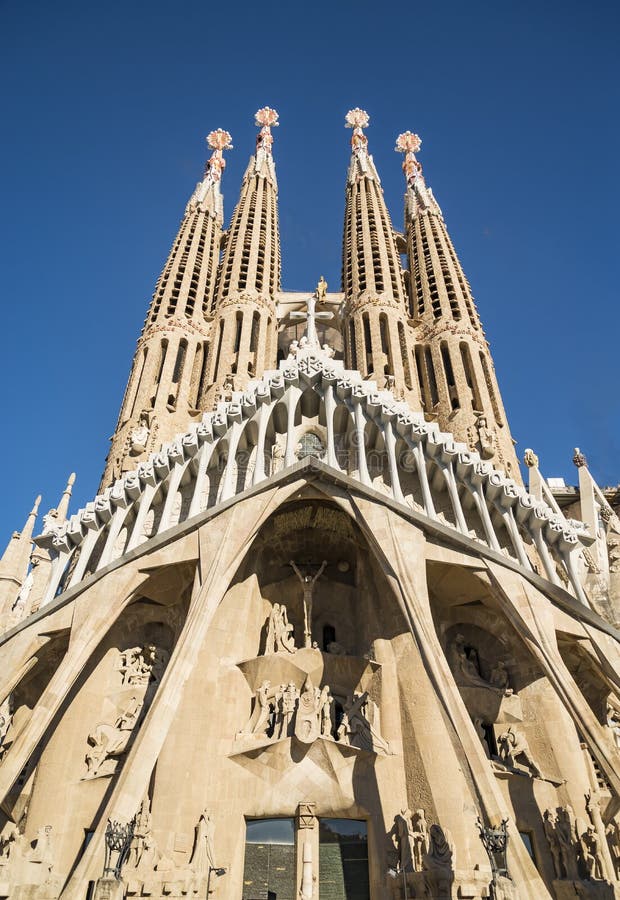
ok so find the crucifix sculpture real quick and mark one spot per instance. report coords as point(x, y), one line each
point(307, 583)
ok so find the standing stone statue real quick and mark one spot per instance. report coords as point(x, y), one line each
point(326, 712)
point(404, 839)
point(499, 677)
point(439, 863)
point(420, 839)
point(550, 829)
point(203, 857)
point(307, 583)
point(141, 834)
point(355, 728)
point(308, 711)
point(279, 631)
point(259, 720)
point(287, 704)
point(565, 831)
point(612, 833)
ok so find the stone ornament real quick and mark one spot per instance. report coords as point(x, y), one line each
point(530, 459)
point(512, 746)
point(109, 741)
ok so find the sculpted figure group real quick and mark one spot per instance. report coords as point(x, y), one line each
point(468, 669)
point(283, 710)
point(141, 669)
point(574, 845)
point(423, 849)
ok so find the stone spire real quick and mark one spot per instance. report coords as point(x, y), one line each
point(169, 366)
point(378, 338)
point(15, 561)
point(453, 362)
point(244, 330)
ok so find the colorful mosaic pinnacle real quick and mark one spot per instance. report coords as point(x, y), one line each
point(357, 118)
point(219, 140)
point(409, 144)
point(267, 117)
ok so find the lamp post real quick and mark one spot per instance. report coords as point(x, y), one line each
point(219, 871)
point(394, 873)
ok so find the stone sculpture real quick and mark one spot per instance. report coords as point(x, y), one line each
point(309, 719)
point(356, 730)
point(142, 665)
point(612, 833)
point(439, 863)
point(6, 719)
point(550, 829)
point(404, 840)
point(260, 719)
point(279, 631)
point(613, 718)
point(565, 831)
point(142, 835)
point(203, 857)
point(420, 839)
point(307, 583)
point(512, 745)
point(109, 742)
point(285, 709)
point(499, 677)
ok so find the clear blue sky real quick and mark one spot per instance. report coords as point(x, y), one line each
point(105, 107)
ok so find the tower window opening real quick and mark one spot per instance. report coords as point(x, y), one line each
point(220, 338)
point(254, 332)
point(419, 362)
point(179, 362)
point(352, 344)
point(139, 381)
point(367, 343)
point(238, 325)
point(470, 377)
point(490, 388)
point(432, 380)
point(449, 372)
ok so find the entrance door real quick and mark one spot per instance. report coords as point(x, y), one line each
point(343, 860)
point(269, 869)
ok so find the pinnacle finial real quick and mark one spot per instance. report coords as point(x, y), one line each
point(357, 119)
point(409, 144)
point(266, 118)
point(219, 140)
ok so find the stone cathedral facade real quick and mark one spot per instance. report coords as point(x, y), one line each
point(313, 639)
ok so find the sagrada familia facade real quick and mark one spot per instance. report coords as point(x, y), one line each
point(313, 639)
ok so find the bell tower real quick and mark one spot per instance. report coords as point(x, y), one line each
point(244, 304)
point(378, 338)
point(169, 366)
point(453, 360)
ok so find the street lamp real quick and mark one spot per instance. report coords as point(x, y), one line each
point(218, 871)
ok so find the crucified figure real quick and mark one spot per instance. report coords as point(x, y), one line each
point(307, 583)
